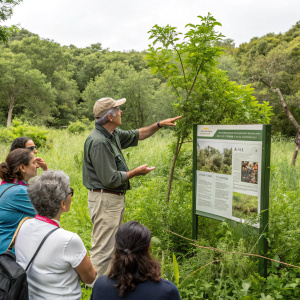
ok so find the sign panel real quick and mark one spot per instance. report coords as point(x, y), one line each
point(228, 168)
point(231, 174)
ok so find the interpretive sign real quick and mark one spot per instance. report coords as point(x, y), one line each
point(231, 173)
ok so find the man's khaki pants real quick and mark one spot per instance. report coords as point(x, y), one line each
point(106, 212)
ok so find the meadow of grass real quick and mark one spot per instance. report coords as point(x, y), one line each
point(233, 276)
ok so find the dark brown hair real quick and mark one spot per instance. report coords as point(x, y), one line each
point(10, 169)
point(19, 142)
point(132, 262)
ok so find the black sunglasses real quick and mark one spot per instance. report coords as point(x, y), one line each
point(31, 148)
point(71, 192)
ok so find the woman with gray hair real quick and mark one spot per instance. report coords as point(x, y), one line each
point(54, 272)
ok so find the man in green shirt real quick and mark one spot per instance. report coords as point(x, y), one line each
point(106, 175)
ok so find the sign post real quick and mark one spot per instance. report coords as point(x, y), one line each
point(231, 174)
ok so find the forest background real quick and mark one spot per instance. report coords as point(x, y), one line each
point(46, 88)
point(60, 84)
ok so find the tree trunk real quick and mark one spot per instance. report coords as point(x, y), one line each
point(10, 110)
point(286, 109)
point(178, 147)
point(297, 142)
point(293, 121)
point(290, 116)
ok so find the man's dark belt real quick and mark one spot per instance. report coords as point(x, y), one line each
point(106, 191)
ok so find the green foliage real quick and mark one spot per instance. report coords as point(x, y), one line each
point(91, 63)
point(6, 135)
point(140, 88)
point(252, 288)
point(6, 11)
point(284, 209)
point(20, 34)
point(55, 63)
point(36, 133)
point(23, 87)
point(6, 32)
point(274, 60)
point(204, 94)
point(232, 276)
point(176, 269)
point(61, 72)
point(76, 78)
point(182, 64)
point(227, 63)
point(187, 62)
point(79, 126)
point(45, 55)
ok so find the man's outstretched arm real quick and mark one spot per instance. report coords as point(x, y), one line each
point(145, 132)
point(141, 170)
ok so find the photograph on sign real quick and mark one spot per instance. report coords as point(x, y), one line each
point(249, 171)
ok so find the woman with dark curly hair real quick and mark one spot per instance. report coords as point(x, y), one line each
point(24, 142)
point(134, 274)
point(19, 166)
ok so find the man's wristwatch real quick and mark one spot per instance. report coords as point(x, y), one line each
point(159, 126)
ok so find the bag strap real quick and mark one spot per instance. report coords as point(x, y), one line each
point(8, 188)
point(39, 247)
point(11, 245)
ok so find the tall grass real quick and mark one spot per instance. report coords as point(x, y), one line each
point(146, 203)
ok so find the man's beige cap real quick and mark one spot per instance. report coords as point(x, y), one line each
point(103, 105)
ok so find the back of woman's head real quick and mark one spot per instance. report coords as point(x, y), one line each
point(133, 236)
point(132, 262)
point(10, 169)
point(47, 191)
point(19, 142)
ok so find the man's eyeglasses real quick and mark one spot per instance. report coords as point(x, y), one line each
point(71, 192)
point(31, 148)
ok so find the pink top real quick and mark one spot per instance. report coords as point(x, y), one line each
point(21, 182)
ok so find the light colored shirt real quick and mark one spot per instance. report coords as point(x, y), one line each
point(52, 274)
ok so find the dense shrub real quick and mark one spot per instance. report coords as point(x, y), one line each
point(36, 133)
point(80, 126)
point(6, 136)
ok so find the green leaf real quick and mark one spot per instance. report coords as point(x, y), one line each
point(176, 269)
point(277, 264)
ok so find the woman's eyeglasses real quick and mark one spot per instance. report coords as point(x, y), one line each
point(71, 192)
point(31, 148)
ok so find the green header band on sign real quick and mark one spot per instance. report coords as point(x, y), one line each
point(241, 135)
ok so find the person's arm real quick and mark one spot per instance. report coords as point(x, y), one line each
point(86, 270)
point(76, 255)
point(146, 132)
point(41, 163)
point(141, 170)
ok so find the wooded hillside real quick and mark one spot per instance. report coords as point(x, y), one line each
point(273, 58)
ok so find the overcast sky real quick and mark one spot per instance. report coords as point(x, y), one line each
point(123, 25)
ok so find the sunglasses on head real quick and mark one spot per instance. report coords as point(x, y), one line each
point(71, 192)
point(31, 148)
